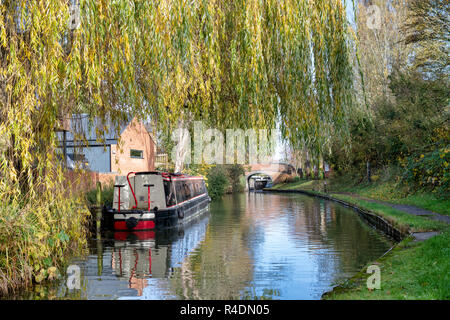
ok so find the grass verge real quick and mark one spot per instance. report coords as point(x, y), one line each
point(392, 191)
point(387, 191)
point(412, 270)
point(399, 219)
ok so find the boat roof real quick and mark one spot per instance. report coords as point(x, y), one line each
point(170, 175)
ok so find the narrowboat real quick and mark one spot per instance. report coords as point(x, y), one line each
point(149, 200)
point(260, 183)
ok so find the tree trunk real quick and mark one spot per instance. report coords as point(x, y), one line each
point(183, 147)
point(368, 172)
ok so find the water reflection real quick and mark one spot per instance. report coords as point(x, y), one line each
point(142, 257)
point(250, 246)
point(277, 246)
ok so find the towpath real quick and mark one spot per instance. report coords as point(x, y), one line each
point(403, 207)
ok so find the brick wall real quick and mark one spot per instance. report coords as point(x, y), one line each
point(136, 137)
point(81, 181)
point(107, 178)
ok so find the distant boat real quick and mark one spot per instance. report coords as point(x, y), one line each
point(260, 183)
point(148, 200)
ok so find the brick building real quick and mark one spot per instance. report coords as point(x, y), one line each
point(136, 151)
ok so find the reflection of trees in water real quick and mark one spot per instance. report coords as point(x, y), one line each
point(222, 261)
point(323, 225)
point(341, 230)
point(220, 267)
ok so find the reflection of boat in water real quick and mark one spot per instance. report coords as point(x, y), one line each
point(140, 255)
point(153, 199)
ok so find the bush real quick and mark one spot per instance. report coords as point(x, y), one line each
point(413, 120)
point(107, 195)
point(217, 182)
point(37, 238)
point(234, 174)
point(429, 171)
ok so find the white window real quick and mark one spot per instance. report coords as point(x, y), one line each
point(138, 154)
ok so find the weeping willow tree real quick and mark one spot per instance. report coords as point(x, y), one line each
point(232, 64)
point(241, 63)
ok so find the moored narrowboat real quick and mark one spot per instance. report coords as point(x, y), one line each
point(260, 183)
point(148, 200)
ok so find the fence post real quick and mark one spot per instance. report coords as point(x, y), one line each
point(98, 208)
point(98, 221)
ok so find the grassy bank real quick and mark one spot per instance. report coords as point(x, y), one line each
point(392, 191)
point(37, 238)
point(389, 191)
point(412, 270)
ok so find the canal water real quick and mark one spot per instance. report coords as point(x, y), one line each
point(248, 246)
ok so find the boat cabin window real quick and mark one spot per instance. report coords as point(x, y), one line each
point(169, 192)
point(195, 188)
point(187, 189)
point(198, 187)
point(203, 186)
point(181, 195)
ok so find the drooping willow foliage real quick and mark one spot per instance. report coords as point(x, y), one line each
point(232, 64)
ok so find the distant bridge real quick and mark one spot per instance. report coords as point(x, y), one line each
point(273, 170)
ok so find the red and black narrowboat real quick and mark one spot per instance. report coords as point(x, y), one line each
point(147, 200)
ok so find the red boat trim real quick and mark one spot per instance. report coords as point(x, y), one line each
point(141, 225)
point(141, 235)
point(187, 178)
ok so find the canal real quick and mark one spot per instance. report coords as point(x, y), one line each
point(248, 246)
